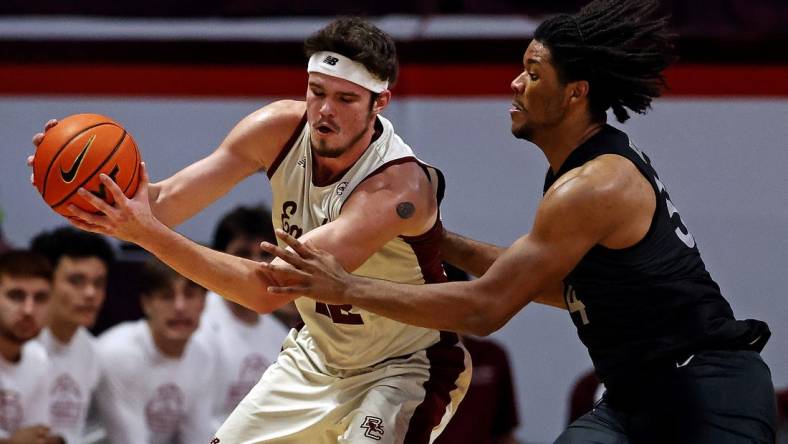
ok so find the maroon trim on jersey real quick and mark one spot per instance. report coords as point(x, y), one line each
point(286, 148)
point(427, 247)
point(399, 161)
point(447, 362)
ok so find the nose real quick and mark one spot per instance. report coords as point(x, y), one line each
point(326, 109)
point(91, 291)
point(28, 305)
point(518, 84)
point(180, 302)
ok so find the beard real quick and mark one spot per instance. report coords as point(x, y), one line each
point(555, 114)
point(524, 132)
point(332, 152)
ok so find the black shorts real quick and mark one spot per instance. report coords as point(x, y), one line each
point(714, 397)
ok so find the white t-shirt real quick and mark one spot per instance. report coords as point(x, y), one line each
point(23, 390)
point(75, 374)
point(145, 397)
point(241, 352)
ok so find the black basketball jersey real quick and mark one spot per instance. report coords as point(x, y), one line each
point(639, 305)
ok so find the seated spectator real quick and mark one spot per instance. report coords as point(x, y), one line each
point(156, 383)
point(242, 342)
point(25, 280)
point(81, 262)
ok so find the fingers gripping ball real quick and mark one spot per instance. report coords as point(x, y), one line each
point(74, 153)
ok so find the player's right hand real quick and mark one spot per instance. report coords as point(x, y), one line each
point(37, 138)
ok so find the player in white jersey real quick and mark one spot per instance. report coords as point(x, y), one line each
point(156, 383)
point(25, 280)
point(242, 342)
point(359, 193)
point(81, 262)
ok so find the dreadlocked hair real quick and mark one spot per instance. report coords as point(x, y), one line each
point(618, 46)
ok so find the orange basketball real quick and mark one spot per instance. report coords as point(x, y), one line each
point(72, 155)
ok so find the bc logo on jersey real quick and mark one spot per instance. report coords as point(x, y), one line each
point(373, 427)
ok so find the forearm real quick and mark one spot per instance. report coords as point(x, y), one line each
point(173, 206)
point(477, 257)
point(461, 306)
point(470, 255)
point(237, 279)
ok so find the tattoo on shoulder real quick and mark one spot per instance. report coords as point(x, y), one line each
point(405, 209)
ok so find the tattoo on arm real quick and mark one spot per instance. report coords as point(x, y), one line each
point(405, 210)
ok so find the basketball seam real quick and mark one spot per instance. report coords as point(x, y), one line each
point(136, 167)
point(90, 176)
point(60, 151)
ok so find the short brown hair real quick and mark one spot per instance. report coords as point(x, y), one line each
point(156, 275)
point(357, 39)
point(24, 264)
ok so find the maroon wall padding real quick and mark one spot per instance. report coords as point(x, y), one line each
point(471, 80)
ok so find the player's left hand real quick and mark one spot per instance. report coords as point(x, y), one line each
point(315, 273)
point(128, 219)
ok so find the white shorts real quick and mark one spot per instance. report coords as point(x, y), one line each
point(403, 400)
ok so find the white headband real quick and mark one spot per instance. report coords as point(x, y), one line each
point(337, 65)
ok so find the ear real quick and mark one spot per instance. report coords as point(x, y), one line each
point(381, 102)
point(145, 304)
point(578, 89)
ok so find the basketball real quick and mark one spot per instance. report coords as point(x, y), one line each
point(74, 152)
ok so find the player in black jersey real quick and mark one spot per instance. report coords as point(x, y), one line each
point(607, 244)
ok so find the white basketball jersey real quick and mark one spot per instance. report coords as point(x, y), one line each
point(346, 337)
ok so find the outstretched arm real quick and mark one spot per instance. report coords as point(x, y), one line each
point(477, 307)
point(476, 257)
point(235, 278)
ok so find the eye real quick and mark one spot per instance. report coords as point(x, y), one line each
point(193, 291)
point(167, 295)
point(533, 76)
point(347, 100)
point(77, 280)
point(41, 297)
point(16, 295)
point(318, 93)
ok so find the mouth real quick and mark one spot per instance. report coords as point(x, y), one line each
point(516, 108)
point(26, 327)
point(86, 309)
point(325, 128)
point(179, 323)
